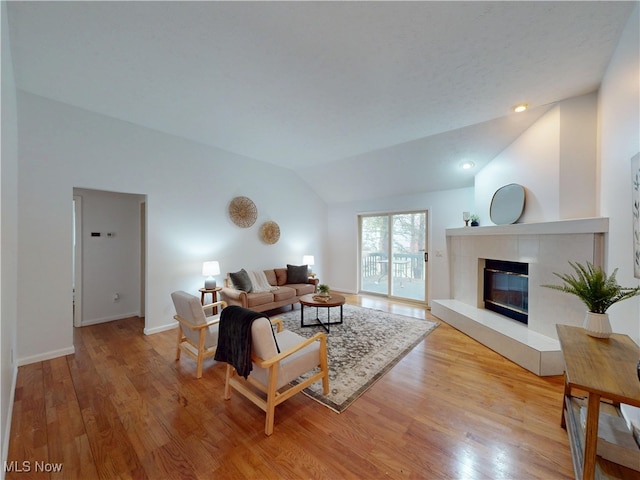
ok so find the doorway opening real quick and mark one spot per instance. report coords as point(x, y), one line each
point(393, 255)
point(109, 251)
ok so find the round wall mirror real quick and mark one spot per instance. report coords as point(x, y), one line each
point(507, 204)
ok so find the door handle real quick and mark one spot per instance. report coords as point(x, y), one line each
point(426, 256)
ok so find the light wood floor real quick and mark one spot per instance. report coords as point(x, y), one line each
point(121, 407)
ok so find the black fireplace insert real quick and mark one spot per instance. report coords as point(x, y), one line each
point(506, 289)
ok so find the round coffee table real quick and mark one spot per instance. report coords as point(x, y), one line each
point(308, 300)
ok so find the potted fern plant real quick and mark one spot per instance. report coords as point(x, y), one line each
point(598, 291)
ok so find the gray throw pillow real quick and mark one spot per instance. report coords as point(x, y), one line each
point(241, 280)
point(297, 274)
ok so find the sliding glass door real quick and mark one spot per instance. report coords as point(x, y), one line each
point(393, 256)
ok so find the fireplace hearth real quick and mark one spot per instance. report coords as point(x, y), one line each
point(506, 289)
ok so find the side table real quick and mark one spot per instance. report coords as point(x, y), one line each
point(604, 369)
point(214, 296)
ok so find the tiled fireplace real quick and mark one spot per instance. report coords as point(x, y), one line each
point(545, 248)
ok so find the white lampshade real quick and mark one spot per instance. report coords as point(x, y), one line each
point(307, 260)
point(209, 269)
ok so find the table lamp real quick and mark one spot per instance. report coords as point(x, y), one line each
point(209, 269)
point(308, 260)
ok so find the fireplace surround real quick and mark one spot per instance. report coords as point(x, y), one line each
point(546, 248)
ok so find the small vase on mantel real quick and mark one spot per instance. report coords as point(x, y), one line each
point(597, 325)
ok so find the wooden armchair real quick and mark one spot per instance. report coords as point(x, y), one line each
point(198, 334)
point(268, 384)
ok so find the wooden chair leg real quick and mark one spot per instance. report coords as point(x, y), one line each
point(200, 354)
point(324, 366)
point(179, 342)
point(325, 381)
point(227, 385)
point(271, 399)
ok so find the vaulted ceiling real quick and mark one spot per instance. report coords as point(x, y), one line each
point(392, 94)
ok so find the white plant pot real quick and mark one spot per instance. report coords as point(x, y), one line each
point(597, 325)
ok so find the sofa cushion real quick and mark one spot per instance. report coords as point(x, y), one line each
point(303, 288)
point(297, 274)
point(241, 280)
point(281, 276)
point(257, 299)
point(271, 277)
point(284, 293)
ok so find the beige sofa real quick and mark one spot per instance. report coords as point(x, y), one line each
point(285, 294)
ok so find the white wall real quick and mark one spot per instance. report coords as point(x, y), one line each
point(531, 161)
point(578, 157)
point(110, 263)
point(188, 188)
point(619, 118)
point(8, 240)
point(554, 160)
point(445, 211)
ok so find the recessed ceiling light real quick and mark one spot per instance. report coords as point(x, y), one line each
point(520, 108)
point(467, 165)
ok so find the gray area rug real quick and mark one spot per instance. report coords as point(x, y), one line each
point(361, 350)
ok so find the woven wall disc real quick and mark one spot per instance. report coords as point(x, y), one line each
point(243, 211)
point(270, 232)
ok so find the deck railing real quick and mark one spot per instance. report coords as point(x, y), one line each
point(405, 265)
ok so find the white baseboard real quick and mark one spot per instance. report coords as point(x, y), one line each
point(46, 356)
point(348, 291)
point(162, 328)
point(96, 321)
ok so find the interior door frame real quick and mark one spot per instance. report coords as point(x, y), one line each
point(77, 261)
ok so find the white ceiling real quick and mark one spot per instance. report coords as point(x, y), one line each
point(391, 94)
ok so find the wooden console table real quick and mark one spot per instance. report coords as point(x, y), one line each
point(603, 369)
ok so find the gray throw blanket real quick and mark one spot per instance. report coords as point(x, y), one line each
point(234, 338)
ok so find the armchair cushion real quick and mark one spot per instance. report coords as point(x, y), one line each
point(291, 366)
point(273, 368)
point(235, 337)
point(197, 334)
point(264, 344)
point(190, 309)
